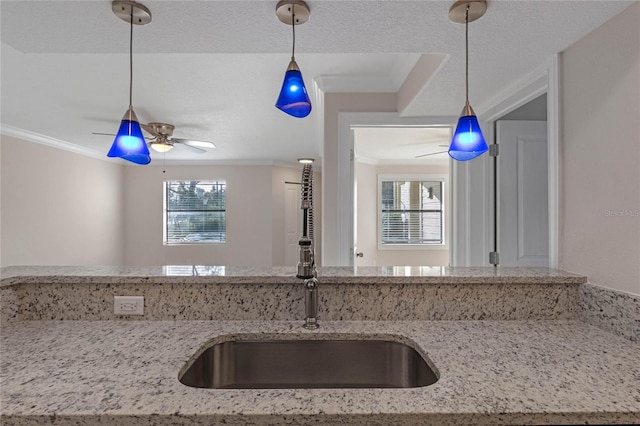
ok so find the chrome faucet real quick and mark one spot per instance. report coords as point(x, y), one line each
point(306, 265)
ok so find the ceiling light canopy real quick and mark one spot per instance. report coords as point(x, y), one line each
point(467, 142)
point(129, 143)
point(293, 98)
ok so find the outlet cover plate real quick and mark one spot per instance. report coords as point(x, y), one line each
point(128, 305)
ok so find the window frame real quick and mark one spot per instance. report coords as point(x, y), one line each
point(166, 211)
point(439, 177)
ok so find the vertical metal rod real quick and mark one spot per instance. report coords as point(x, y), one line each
point(293, 29)
point(466, 44)
point(131, 58)
point(311, 304)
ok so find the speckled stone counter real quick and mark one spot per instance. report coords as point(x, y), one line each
point(611, 310)
point(267, 275)
point(529, 362)
point(491, 372)
point(235, 293)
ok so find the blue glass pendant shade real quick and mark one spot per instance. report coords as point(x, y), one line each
point(293, 98)
point(467, 142)
point(129, 143)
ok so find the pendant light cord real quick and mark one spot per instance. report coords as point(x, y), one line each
point(131, 60)
point(466, 44)
point(293, 29)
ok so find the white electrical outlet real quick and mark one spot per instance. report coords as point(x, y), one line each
point(128, 305)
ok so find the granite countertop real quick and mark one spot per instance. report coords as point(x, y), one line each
point(265, 275)
point(491, 372)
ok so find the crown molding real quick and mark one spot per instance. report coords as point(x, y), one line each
point(41, 139)
point(29, 136)
point(238, 162)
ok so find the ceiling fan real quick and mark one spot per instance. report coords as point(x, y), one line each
point(162, 141)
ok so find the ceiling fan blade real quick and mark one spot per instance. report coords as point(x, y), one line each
point(195, 143)
point(427, 155)
point(191, 147)
point(149, 130)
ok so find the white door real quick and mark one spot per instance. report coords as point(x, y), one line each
point(523, 213)
point(292, 223)
point(366, 214)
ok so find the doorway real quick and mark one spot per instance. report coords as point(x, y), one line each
point(401, 196)
point(346, 172)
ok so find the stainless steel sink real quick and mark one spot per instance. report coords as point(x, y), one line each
point(279, 364)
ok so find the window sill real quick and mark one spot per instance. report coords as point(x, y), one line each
point(195, 243)
point(415, 247)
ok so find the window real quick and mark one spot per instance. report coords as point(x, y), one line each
point(411, 211)
point(195, 212)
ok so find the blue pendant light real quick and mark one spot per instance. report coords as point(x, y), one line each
point(293, 98)
point(468, 142)
point(129, 143)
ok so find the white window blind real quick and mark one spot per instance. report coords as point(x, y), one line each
point(411, 212)
point(195, 212)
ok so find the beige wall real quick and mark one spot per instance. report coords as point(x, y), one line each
point(59, 208)
point(249, 213)
point(255, 216)
point(334, 104)
point(367, 220)
point(600, 154)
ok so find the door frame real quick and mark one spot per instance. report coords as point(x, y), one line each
point(544, 79)
point(346, 122)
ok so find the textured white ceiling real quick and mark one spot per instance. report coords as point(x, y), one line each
point(401, 145)
point(214, 68)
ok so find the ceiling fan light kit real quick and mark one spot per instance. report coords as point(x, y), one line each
point(467, 142)
point(161, 131)
point(164, 142)
point(293, 98)
point(158, 146)
point(129, 143)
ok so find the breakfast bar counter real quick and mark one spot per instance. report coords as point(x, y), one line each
point(507, 345)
